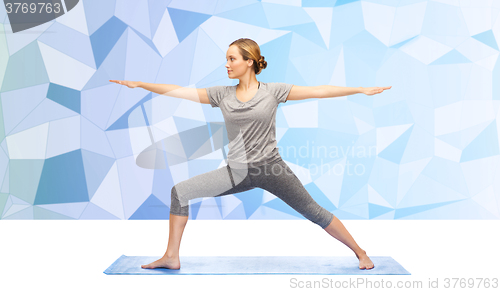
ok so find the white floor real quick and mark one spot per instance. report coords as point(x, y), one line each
point(72, 255)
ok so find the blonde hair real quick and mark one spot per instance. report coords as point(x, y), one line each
point(250, 50)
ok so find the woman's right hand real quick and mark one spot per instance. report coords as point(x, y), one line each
point(130, 84)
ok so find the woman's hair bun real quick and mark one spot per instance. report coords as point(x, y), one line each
point(262, 63)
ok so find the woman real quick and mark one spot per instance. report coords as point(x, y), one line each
point(249, 111)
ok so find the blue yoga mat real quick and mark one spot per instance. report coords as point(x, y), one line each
point(241, 265)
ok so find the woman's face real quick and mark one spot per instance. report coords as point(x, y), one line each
point(235, 64)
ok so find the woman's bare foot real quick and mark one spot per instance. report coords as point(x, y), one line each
point(364, 261)
point(164, 262)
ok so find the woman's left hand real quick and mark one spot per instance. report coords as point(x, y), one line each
point(374, 90)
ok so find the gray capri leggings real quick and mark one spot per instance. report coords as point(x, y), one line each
point(275, 177)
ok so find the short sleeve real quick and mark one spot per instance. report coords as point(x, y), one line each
point(215, 94)
point(280, 90)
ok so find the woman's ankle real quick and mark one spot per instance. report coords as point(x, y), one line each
point(169, 255)
point(360, 253)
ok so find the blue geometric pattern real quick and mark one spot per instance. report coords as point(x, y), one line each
point(75, 146)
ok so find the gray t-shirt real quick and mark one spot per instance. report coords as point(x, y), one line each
point(251, 125)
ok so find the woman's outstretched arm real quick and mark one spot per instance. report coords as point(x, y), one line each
point(193, 94)
point(324, 91)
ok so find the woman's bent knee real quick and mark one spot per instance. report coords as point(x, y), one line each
point(175, 204)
